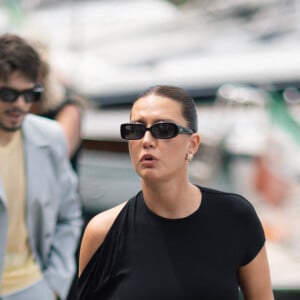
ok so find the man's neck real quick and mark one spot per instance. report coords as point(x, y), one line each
point(6, 137)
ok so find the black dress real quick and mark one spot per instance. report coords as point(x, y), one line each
point(148, 257)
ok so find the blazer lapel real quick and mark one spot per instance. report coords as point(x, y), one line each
point(2, 194)
point(34, 147)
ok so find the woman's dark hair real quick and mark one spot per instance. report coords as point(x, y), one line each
point(179, 95)
point(16, 55)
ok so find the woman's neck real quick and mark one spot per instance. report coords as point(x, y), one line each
point(172, 201)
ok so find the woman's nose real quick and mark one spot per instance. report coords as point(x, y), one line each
point(148, 139)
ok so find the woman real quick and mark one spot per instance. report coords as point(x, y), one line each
point(173, 240)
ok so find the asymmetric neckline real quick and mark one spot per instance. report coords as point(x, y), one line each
point(187, 218)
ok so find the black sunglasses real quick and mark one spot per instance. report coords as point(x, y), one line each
point(160, 130)
point(30, 95)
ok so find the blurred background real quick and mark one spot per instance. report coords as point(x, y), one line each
point(238, 59)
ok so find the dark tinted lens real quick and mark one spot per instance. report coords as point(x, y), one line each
point(32, 95)
point(29, 96)
point(8, 95)
point(164, 130)
point(132, 131)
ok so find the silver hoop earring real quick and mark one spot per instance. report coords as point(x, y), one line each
point(190, 157)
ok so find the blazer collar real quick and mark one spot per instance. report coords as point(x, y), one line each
point(2, 194)
point(35, 150)
point(32, 133)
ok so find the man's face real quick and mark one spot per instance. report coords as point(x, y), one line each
point(12, 113)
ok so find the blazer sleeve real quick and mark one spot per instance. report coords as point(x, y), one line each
point(61, 265)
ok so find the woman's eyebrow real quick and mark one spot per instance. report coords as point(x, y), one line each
point(153, 121)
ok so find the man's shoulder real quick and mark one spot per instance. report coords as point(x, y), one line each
point(41, 122)
point(41, 130)
point(41, 125)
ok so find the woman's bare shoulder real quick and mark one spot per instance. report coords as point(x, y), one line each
point(95, 233)
point(102, 222)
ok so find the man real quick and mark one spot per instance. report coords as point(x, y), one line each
point(40, 214)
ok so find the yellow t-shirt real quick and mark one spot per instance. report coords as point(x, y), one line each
point(20, 268)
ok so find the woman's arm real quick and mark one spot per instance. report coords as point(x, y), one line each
point(70, 119)
point(95, 233)
point(255, 280)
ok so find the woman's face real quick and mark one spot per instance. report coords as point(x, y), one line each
point(155, 158)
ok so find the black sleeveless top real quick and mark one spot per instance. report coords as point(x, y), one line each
point(147, 257)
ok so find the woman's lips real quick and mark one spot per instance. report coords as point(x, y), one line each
point(148, 160)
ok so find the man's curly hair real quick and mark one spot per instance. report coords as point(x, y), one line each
point(17, 55)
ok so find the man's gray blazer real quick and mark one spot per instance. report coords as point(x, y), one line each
point(53, 205)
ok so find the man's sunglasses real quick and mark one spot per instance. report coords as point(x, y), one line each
point(30, 95)
point(160, 130)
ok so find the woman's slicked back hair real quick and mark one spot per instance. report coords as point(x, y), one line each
point(179, 95)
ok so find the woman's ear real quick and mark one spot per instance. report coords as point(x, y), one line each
point(195, 139)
